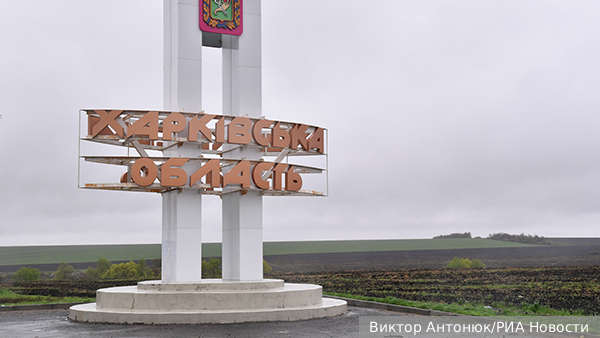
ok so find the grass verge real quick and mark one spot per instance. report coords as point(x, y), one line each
point(471, 309)
point(9, 298)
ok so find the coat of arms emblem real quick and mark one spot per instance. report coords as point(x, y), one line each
point(221, 16)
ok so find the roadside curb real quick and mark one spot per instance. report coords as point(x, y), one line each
point(33, 307)
point(393, 307)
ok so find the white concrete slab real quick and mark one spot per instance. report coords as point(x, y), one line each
point(211, 301)
point(89, 313)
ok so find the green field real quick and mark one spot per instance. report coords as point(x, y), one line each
point(90, 253)
point(16, 255)
point(285, 248)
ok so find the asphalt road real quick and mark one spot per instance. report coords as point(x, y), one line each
point(54, 323)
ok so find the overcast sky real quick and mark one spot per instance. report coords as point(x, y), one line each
point(443, 116)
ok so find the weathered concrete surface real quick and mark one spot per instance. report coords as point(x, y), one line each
point(208, 301)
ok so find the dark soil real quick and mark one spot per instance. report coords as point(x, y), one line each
point(543, 255)
point(574, 288)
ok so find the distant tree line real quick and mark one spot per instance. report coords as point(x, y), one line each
point(522, 238)
point(455, 235)
point(501, 236)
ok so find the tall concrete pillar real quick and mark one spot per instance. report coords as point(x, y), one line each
point(182, 208)
point(242, 96)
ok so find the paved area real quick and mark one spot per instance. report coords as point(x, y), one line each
point(54, 323)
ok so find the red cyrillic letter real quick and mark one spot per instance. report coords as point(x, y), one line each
point(143, 172)
point(280, 137)
point(257, 174)
point(277, 171)
point(315, 141)
point(147, 125)
point(199, 125)
point(167, 171)
point(239, 174)
point(239, 130)
point(257, 132)
point(298, 135)
point(212, 167)
point(174, 123)
point(293, 181)
point(107, 119)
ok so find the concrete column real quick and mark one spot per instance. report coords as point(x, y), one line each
point(242, 95)
point(182, 208)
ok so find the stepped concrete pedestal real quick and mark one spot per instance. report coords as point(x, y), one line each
point(208, 301)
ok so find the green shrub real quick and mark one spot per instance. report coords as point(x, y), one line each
point(102, 265)
point(128, 270)
point(123, 270)
point(26, 274)
point(461, 263)
point(92, 273)
point(64, 271)
point(456, 263)
point(476, 263)
point(266, 267)
point(212, 268)
point(143, 270)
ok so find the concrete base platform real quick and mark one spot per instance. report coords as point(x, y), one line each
point(208, 301)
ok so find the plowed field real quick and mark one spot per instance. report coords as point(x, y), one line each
point(543, 255)
point(570, 288)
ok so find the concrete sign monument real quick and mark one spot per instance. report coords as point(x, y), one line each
point(184, 153)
